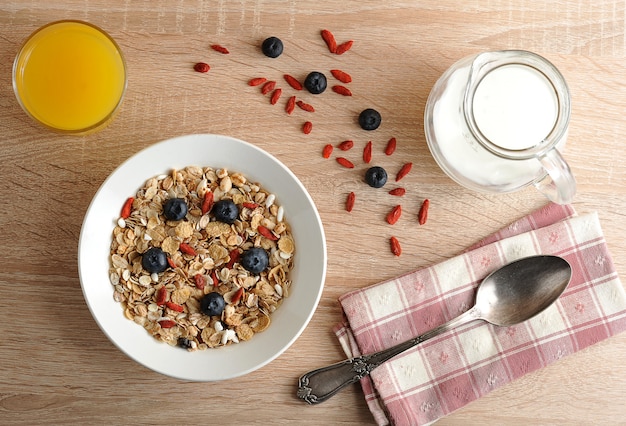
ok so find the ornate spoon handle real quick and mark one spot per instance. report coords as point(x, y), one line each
point(318, 385)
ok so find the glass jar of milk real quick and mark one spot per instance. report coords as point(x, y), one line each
point(495, 122)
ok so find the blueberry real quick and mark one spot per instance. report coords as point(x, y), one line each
point(272, 47)
point(175, 209)
point(376, 177)
point(369, 119)
point(225, 211)
point(255, 260)
point(315, 82)
point(183, 342)
point(154, 260)
point(212, 304)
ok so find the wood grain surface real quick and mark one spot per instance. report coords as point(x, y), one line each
point(59, 368)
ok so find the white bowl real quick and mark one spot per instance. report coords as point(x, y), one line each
point(288, 321)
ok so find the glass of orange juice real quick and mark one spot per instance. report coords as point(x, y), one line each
point(70, 76)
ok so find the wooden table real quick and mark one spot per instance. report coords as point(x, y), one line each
point(59, 368)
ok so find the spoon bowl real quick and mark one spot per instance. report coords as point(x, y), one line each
point(512, 294)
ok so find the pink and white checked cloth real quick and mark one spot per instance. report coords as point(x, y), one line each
point(453, 369)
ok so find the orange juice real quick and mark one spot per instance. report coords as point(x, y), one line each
point(70, 76)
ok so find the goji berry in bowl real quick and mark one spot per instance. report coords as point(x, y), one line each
point(113, 205)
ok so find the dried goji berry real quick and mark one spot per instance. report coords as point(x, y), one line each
point(344, 47)
point(174, 306)
point(199, 281)
point(167, 323)
point(391, 146)
point(201, 67)
point(346, 145)
point(327, 151)
point(249, 205)
point(404, 170)
point(306, 107)
point(187, 249)
point(220, 48)
point(398, 192)
point(257, 81)
point(350, 201)
point(207, 202)
point(216, 280)
point(293, 82)
point(330, 41)
point(276, 96)
point(342, 76)
point(395, 246)
point(161, 296)
point(234, 257)
point(127, 208)
point(307, 127)
point(422, 216)
point(267, 233)
point(394, 215)
point(237, 296)
point(267, 87)
point(367, 152)
point(342, 90)
point(170, 262)
point(345, 162)
point(291, 104)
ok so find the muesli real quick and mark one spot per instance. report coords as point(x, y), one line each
point(201, 257)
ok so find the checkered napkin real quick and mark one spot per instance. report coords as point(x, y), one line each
point(449, 371)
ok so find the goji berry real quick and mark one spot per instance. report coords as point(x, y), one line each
point(249, 205)
point(394, 215)
point(342, 90)
point(201, 67)
point(350, 201)
point(391, 146)
point(307, 127)
point(187, 249)
point(344, 47)
point(342, 76)
point(167, 323)
point(345, 162)
point(267, 87)
point(170, 262)
point(306, 107)
point(174, 306)
point(267, 233)
point(234, 257)
point(422, 216)
point(161, 296)
point(207, 202)
point(199, 281)
point(257, 81)
point(220, 48)
point(330, 41)
point(237, 296)
point(291, 104)
point(346, 145)
point(216, 280)
point(398, 192)
point(404, 170)
point(293, 82)
point(127, 208)
point(367, 152)
point(395, 246)
point(327, 151)
point(276, 96)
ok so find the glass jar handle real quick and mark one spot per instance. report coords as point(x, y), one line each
point(558, 185)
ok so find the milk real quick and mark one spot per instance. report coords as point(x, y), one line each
point(514, 106)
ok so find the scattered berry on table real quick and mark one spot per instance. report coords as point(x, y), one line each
point(315, 82)
point(154, 260)
point(175, 209)
point(212, 304)
point(255, 260)
point(225, 211)
point(272, 47)
point(369, 119)
point(376, 177)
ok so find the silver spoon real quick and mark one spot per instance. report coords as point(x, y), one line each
point(512, 294)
